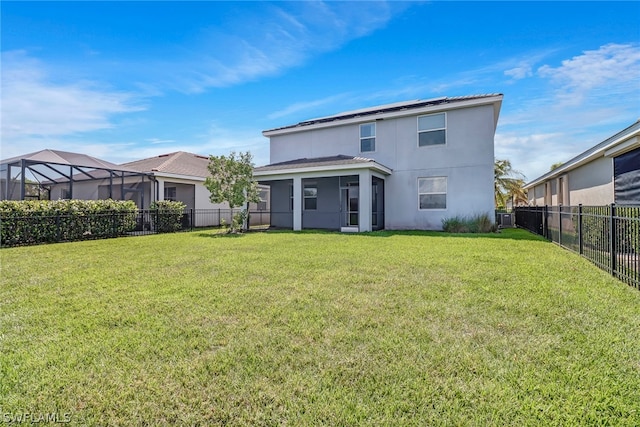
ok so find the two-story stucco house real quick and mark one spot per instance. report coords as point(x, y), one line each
point(407, 165)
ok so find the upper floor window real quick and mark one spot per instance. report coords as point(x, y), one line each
point(367, 137)
point(432, 130)
point(432, 192)
point(310, 196)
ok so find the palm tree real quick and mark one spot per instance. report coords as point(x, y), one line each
point(508, 184)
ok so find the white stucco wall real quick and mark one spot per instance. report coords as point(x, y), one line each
point(466, 160)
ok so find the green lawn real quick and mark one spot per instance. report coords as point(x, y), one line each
point(311, 328)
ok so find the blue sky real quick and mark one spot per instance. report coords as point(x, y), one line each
point(127, 80)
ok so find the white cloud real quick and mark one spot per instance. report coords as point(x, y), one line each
point(532, 154)
point(520, 72)
point(159, 141)
point(613, 68)
point(35, 106)
point(306, 105)
point(281, 36)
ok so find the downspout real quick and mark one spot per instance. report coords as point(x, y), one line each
point(155, 190)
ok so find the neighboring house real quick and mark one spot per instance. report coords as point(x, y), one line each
point(175, 176)
point(407, 165)
point(606, 173)
point(180, 177)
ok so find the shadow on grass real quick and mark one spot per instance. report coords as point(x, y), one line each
point(221, 234)
point(510, 233)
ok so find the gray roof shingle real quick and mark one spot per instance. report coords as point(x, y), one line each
point(179, 163)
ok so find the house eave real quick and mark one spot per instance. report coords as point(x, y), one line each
point(620, 145)
point(165, 175)
point(495, 100)
point(314, 169)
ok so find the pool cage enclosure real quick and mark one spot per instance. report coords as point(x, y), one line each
point(33, 175)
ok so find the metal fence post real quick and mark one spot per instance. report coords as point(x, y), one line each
point(545, 222)
point(58, 226)
point(580, 240)
point(560, 225)
point(192, 219)
point(612, 238)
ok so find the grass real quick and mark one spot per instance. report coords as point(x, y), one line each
point(314, 328)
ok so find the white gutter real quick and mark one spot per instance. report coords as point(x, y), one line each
point(349, 166)
point(627, 142)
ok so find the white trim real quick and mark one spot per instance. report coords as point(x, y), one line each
point(324, 169)
point(364, 200)
point(312, 184)
point(624, 147)
point(177, 176)
point(431, 130)
point(297, 203)
point(446, 193)
point(374, 137)
point(579, 161)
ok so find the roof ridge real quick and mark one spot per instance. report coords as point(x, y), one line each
point(171, 159)
point(376, 110)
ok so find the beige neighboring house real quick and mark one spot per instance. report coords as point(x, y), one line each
point(177, 176)
point(180, 176)
point(606, 173)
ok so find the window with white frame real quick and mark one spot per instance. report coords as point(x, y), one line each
point(264, 198)
point(310, 196)
point(432, 130)
point(367, 137)
point(432, 192)
point(170, 193)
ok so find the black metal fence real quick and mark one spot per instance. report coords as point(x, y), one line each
point(609, 236)
point(19, 231)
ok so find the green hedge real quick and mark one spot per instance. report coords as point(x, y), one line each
point(596, 227)
point(40, 221)
point(167, 215)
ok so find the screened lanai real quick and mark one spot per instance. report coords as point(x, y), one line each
point(53, 174)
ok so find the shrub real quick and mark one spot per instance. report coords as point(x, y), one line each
point(455, 225)
point(167, 215)
point(480, 223)
point(40, 221)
